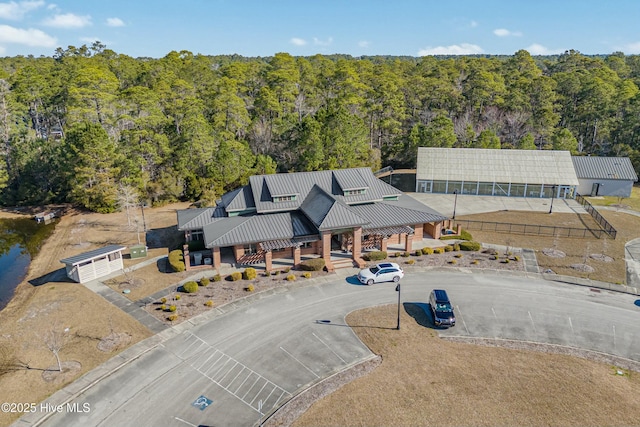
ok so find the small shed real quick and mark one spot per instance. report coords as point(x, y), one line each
point(94, 264)
point(138, 251)
point(604, 176)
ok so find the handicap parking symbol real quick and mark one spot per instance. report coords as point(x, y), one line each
point(202, 403)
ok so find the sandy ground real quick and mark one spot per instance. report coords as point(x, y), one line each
point(426, 381)
point(81, 320)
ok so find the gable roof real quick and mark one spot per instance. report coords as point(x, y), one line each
point(333, 182)
point(604, 168)
point(496, 165)
point(327, 213)
point(96, 253)
point(194, 219)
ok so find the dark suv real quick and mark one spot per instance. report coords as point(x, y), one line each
point(441, 308)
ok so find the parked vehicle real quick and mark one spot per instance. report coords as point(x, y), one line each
point(383, 272)
point(441, 308)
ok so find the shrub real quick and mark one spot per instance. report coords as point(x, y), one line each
point(410, 262)
point(505, 261)
point(235, 276)
point(176, 261)
point(453, 261)
point(456, 246)
point(438, 251)
point(177, 297)
point(173, 317)
point(464, 235)
point(306, 275)
point(163, 307)
point(516, 258)
point(470, 246)
point(266, 274)
point(448, 248)
point(314, 264)
point(418, 252)
point(249, 273)
point(474, 262)
point(204, 281)
point(427, 251)
point(163, 300)
point(490, 251)
point(493, 257)
point(190, 287)
point(172, 308)
point(275, 272)
point(394, 255)
point(374, 256)
point(405, 254)
point(291, 277)
point(286, 270)
point(217, 278)
point(250, 288)
point(458, 255)
point(209, 303)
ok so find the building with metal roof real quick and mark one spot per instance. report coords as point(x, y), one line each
point(94, 264)
point(292, 214)
point(495, 172)
point(604, 176)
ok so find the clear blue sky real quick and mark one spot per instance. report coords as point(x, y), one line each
point(153, 28)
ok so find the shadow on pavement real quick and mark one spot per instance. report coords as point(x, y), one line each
point(421, 312)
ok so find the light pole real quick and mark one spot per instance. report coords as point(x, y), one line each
point(552, 196)
point(398, 291)
point(455, 202)
point(144, 223)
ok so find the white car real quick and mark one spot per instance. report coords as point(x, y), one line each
point(383, 272)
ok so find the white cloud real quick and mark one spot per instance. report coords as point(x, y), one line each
point(631, 48)
point(30, 37)
point(319, 42)
point(16, 11)
point(455, 49)
point(503, 32)
point(115, 22)
point(298, 41)
point(364, 43)
point(538, 49)
point(473, 24)
point(68, 20)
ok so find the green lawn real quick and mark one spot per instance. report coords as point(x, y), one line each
point(632, 202)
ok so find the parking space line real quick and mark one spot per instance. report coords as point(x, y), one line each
point(250, 388)
point(229, 370)
point(206, 360)
point(494, 313)
point(237, 375)
point(462, 318)
point(571, 325)
point(326, 345)
point(258, 393)
point(296, 359)
point(532, 324)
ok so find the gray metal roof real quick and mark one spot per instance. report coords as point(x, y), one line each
point(394, 214)
point(96, 253)
point(257, 228)
point(328, 180)
point(240, 199)
point(604, 168)
point(280, 185)
point(195, 219)
point(350, 179)
point(327, 213)
point(495, 165)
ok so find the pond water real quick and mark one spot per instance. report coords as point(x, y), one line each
point(20, 241)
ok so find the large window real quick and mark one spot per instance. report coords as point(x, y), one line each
point(485, 188)
point(533, 190)
point(470, 188)
point(251, 248)
point(517, 190)
point(454, 187)
point(439, 187)
point(114, 256)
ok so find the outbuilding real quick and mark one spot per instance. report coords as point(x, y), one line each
point(94, 264)
point(604, 176)
point(493, 172)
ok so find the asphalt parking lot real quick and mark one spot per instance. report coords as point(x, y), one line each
point(235, 368)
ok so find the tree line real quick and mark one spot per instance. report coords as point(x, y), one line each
point(102, 130)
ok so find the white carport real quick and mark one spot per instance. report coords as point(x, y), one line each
point(94, 264)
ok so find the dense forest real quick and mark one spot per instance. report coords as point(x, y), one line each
point(102, 129)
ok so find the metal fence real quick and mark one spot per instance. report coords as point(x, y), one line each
point(531, 229)
point(608, 228)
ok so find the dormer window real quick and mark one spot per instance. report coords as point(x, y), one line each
point(289, 198)
point(354, 192)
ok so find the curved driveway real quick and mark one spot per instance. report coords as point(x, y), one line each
point(252, 359)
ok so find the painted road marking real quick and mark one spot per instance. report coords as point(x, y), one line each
point(532, 324)
point(462, 318)
point(297, 360)
point(217, 366)
point(326, 345)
